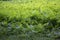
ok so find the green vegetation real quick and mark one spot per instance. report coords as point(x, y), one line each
point(30, 20)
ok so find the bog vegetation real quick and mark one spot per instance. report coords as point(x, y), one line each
point(29, 19)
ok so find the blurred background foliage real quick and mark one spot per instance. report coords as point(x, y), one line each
point(30, 20)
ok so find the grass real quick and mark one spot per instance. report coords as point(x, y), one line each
point(29, 19)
